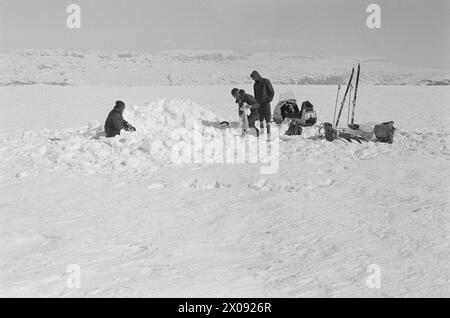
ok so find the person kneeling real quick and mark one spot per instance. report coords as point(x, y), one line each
point(115, 122)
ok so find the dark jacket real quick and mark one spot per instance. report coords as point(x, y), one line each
point(262, 88)
point(245, 98)
point(115, 123)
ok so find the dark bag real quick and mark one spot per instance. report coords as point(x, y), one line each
point(295, 129)
point(330, 133)
point(385, 132)
point(308, 113)
point(289, 110)
point(307, 106)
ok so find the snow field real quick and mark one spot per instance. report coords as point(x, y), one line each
point(138, 225)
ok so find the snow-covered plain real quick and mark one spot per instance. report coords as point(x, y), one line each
point(139, 225)
point(184, 67)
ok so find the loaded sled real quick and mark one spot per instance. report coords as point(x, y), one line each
point(288, 111)
point(287, 108)
point(383, 132)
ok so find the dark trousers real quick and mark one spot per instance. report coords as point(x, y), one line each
point(264, 115)
point(251, 123)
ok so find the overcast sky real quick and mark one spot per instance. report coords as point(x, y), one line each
point(414, 32)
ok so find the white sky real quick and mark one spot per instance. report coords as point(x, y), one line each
point(414, 32)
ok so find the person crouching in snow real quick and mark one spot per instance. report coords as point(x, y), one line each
point(115, 122)
point(246, 101)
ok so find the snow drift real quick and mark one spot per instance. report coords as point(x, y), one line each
point(88, 151)
point(162, 124)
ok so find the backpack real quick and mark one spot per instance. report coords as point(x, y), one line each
point(289, 109)
point(308, 114)
point(385, 132)
point(295, 128)
point(330, 133)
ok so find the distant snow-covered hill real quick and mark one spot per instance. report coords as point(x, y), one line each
point(63, 67)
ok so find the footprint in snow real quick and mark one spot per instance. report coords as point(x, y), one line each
point(21, 175)
point(196, 184)
point(265, 185)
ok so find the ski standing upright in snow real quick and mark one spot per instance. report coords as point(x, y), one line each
point(345, 97)
point(335, 105)
point(352, 125)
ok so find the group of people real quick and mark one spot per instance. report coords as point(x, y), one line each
point(259, 106)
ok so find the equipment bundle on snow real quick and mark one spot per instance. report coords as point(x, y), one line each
point(288, 108)
point(367, 132)
point(331, 133)
point(294, 129)
point(286, 105)
point(308, 114)
point(385, 132)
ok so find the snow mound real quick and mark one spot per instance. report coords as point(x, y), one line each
point(160, 125)
point(164, 124)
point(162, 116)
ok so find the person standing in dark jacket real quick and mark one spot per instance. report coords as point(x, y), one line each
point(264, 95)
point(246, 100)
point(115, 122)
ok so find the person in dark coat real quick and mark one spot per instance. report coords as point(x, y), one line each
point(242, 99)
point(264, 95)
point(115, 122)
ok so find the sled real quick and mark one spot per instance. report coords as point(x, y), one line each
point(332, 133)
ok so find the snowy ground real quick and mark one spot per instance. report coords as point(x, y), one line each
point(184, 67)
point(137, 225)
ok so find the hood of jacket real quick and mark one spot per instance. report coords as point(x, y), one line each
point(241, 96)
point(119, 109)
point(256, 76)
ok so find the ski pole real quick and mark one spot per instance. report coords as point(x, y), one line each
point(349, 104)
point(89, 130)
point(335, 105)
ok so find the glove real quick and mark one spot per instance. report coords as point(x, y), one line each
point(128, 127)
